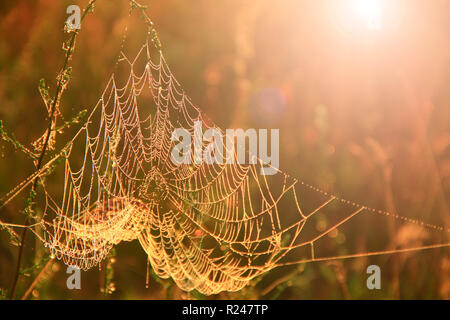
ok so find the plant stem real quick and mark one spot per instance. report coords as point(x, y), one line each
point(36, 280)
point(59, 91)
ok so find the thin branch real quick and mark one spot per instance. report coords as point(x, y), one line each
point(36, 280)
point(59, 91)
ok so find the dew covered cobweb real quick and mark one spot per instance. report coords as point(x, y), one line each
point(210, 227)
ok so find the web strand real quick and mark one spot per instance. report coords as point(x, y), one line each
point(210, 227)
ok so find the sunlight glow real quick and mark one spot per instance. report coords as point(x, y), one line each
point(370, 12)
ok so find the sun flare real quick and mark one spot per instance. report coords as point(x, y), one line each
point(370, 12)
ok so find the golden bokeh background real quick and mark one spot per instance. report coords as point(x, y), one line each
point(360, 90)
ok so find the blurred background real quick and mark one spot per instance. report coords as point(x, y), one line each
point(358, 88)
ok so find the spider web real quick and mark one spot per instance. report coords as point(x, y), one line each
point(210, 227)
